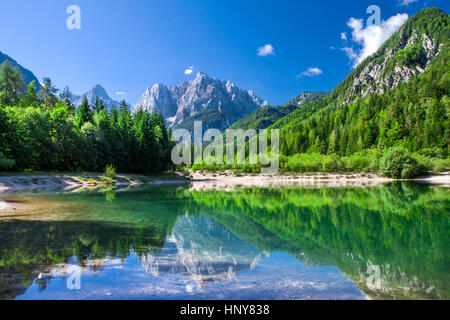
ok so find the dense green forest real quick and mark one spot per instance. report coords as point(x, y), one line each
point(263, 117)
point(45, 131)
point(266, 116)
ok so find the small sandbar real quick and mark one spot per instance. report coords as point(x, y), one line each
point(77, 183)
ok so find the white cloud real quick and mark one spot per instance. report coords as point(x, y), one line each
point(310, 73)
point(344, 36)
point(189, 70)
point(120, 93)
point(407, 2)
point(266, 50)
point(372, 37)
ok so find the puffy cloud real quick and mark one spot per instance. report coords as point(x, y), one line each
point(266, 50)
point(372, 37)
point(344, 36)
point(310, 73)
point(189, 70)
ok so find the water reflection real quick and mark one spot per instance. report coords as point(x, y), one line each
point(256, 243)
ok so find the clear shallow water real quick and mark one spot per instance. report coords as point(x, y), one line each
point(172, 242)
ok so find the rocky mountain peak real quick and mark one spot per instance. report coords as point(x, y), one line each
point(91, 95)
point(203, 93)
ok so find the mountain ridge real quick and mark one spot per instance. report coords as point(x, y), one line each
point(266, 116)
point(96, 91)
point(181, 102)
point(27, 74)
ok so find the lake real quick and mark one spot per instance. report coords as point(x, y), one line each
point(177, 242)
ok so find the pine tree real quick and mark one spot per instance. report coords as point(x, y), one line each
point(31, 97)
point(84, 113)
point(49, 91)
point(98, 105)
point(12, 83)
point(66, 96)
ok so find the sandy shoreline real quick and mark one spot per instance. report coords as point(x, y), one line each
point(224, 180)
point(203, 180)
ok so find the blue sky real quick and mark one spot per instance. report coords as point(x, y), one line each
point(127, 46)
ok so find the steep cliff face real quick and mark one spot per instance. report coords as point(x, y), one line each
point(408, 53)
point(179, 103)
point(396, 66)
point(158, 98)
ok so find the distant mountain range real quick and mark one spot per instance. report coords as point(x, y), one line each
point(27, 74)
point(97, 91)
point(216, 102)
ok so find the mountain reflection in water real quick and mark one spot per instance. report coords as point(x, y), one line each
point(171, 242)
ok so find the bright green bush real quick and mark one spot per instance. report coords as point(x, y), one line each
point(110, 171)
point(440, 165)
point(399, 163)
point(304, 163)
point(332, 163)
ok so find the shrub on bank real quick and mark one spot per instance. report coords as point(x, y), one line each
point(399, 163)
point(110, 171)
point(6, 163)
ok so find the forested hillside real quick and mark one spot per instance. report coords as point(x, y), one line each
point(266, 116)
point(397, 97)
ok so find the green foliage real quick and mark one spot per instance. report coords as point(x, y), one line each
point(6, 163)
point(266, 116)
point(400, 164)
point(263, 117)
point(50, 135)
point(411, 56)
point(49, 91)
point(12, 83)
point(415, 115)
point(332, 163)
point(110, 171)
point(66, 96)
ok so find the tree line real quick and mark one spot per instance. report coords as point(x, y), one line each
point(45, 131)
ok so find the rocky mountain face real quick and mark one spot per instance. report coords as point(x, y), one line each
point(27, 74)
point(179, 103)
point(97, 91)
point(307, 97)
point(202, 250)
point(407, 54)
